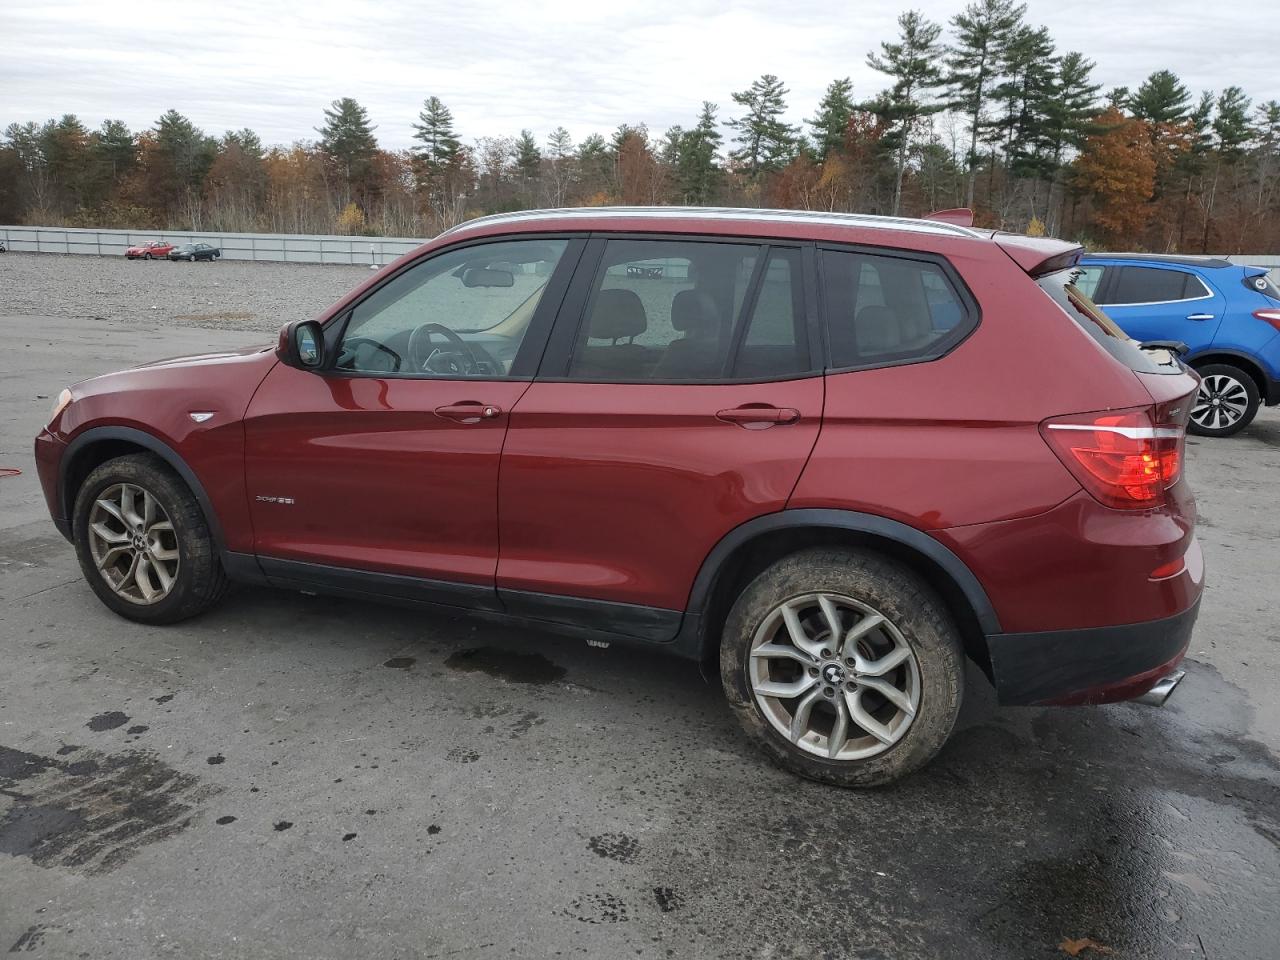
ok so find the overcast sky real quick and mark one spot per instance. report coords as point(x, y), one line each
point(500, 67)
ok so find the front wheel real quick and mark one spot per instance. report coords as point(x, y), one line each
point(143, 542)
point(843, 666)
point(1227, 402)
point(146, 256)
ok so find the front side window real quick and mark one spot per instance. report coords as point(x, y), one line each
point(463, 313)
point(1135, 285)
point(885, 309)
point(692, 311)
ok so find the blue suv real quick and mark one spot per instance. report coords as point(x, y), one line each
point(1227, 314)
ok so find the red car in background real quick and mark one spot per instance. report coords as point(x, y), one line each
point(151, 250)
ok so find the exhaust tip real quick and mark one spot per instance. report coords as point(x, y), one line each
point(1163, 689)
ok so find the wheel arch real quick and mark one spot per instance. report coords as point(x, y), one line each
point(1242, 361)
point(97, 445)
point(748, 549)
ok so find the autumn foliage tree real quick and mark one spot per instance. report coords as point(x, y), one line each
point(1116, 170)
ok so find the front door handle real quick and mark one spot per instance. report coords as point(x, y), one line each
point(758, 416)
point(1200, 316)
point(468, 411)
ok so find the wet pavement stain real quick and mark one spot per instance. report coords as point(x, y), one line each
point(598, 908)
point(667, 899)
point(223, 821)
point(510, 665)
point(107, 721)
point(216, 759)
point(135, 730)
point(615, 846)
point(400, 663)
point(347, 837)
point(164, 699)
point(31, 939)
point(282, 825)
point(64, 750)
point(462, 755)
point(95, 813)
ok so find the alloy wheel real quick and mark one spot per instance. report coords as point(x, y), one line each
point(1221, 402)
point(834, 676)
point(133, 543)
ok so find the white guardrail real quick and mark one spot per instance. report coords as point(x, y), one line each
point(292, 248)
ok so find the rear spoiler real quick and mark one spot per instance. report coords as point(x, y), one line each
point(1039, 255)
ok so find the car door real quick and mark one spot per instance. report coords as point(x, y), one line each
point(679, 398)
point(386, 462)
point(1160, 302)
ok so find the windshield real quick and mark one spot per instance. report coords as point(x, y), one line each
point(1061, 288)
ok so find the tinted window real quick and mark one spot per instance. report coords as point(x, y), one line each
point(463, 313)
point(883, 309)
point(1075, 303)
point(1152, 285)
point(677, 310)
point(1087, 280)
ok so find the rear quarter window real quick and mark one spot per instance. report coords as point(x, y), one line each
point(883, 309)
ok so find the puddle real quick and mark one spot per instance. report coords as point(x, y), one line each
point(507, 665)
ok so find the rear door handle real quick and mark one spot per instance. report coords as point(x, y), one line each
point(468, 411)
point(1200, 316)
point(758, 416)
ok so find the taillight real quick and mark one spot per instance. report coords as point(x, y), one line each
point(1269, 316)
point(1121, 457)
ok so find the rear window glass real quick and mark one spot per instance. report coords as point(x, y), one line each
point(1153, 285)
point(1062, 289)
point(1263, 284)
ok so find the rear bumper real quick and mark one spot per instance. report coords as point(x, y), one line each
point(1271, 395)
point(1091, 665)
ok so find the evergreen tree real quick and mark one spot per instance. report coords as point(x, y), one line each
point(115, 149)
point(698, 174)
point(1161, 99)
point(1118, 98)
point(1028, 66)
point(913, 63)
point(434, 132)
point(347, 140)
point(559, 144)
point(983, 30)
point(528, 156)
point(766, 141)
point(1231, 126)
point(831, 124)
point(1072, 104)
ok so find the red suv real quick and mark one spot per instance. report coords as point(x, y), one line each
point(836, 455)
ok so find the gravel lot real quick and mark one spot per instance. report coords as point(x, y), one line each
point(310, 778)
point(226, 294)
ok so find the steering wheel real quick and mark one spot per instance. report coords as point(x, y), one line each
point(424, 355)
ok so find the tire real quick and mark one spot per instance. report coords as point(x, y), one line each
point(1237, 399)
point(861, 585)
point(146, 256)
point(186, 551)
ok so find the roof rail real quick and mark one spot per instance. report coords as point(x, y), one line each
point(725, 213)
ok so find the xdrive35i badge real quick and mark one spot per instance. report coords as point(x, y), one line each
point(286, 500)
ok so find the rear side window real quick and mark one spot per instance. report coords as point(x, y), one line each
point(692, 311)
point(1134, 285)
point(885, 309)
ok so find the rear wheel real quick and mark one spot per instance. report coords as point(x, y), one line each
point(843, 666)
point(1227, 402)
point(143, 542)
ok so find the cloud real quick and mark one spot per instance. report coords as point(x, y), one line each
point(504, 66)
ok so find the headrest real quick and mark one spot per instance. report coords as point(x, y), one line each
point(693, 311)
point(617, 313)
point(878, 330)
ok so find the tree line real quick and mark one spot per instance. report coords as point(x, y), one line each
point(985, 113)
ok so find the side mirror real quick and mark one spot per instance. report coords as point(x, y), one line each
point(302, 345)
